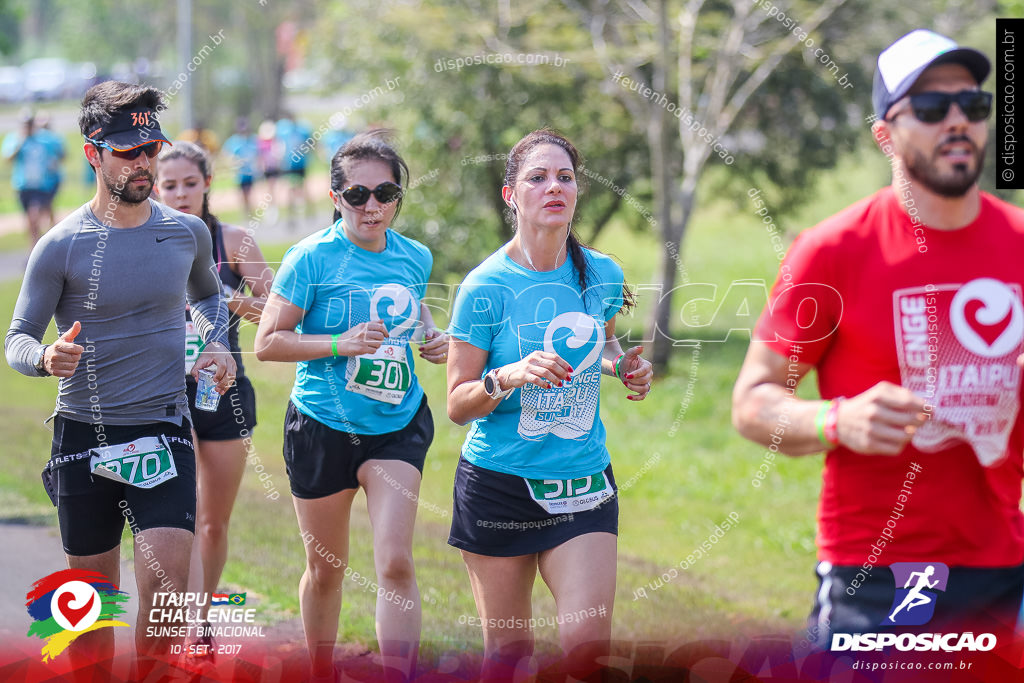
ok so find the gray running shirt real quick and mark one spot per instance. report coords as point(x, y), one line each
point(127, 286)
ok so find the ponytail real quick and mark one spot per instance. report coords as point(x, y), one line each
point(579, 261)
point(575, 248)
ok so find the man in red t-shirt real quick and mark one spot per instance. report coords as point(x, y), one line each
point(908, 305)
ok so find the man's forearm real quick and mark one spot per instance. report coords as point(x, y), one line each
point(21, 350)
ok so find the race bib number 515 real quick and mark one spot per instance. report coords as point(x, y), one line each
point(570, 495)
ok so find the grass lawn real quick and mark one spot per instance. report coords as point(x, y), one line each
point(687, 470)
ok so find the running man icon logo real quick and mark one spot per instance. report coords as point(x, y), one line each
point(917, 584)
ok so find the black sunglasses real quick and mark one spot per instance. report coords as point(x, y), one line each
point(932, 107)
point(357, 195)
point(151, 150)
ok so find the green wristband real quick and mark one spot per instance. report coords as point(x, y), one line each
point(616, 363)
point(819, 423)
point(334, 344)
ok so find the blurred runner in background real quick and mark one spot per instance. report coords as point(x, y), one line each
point(36, 153)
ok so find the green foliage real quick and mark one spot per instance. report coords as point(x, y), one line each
point(799, 127)
point(11, 15)
point(457, 121)
point(105, 31)
point(803, 122)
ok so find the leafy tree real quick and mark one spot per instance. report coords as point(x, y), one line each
point(456, 120)
point(12, 13)
point(106, 32)
point(776, 91)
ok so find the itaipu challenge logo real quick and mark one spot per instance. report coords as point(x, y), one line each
point(68, 603)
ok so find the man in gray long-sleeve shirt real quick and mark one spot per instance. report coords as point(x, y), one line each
point(115, 276)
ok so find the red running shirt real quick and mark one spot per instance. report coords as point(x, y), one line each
point(869, 295)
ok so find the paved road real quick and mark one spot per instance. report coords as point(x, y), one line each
point(32, 551)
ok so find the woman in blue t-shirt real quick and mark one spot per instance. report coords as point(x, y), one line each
point(532, 333)
point(345, 305)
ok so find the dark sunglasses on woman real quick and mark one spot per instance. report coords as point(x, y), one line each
point(357, 195)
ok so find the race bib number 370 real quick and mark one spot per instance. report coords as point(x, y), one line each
point(143, 463)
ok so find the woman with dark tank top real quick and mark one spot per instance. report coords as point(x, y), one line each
point(222, 437)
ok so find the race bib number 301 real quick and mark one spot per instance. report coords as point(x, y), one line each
point(383, 375)
point(143, 463)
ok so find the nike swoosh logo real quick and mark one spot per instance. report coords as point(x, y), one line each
point(161, 239)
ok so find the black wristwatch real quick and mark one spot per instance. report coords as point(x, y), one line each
point(39, 363)
point(493, 387)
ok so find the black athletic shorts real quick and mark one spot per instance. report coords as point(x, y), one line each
point(235, 416)
point(41, 198)
point(321, 460)
point(92, 510)
point(494, 515)
point(979, 599)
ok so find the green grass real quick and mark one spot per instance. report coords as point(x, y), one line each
point(757, 579)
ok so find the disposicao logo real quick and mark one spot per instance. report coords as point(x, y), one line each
point(68, 603)
point(917, 587)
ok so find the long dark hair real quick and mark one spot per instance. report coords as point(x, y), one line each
point(516, 157)
point(374, 145)
point(198, 156)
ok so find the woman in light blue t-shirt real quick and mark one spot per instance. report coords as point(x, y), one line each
point(533, 331)
point(344, 307)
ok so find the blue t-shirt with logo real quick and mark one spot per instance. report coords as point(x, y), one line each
point(510, 312)
point(340, 285)
point(37, 163)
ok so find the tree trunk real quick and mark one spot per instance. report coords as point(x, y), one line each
point(494, 171)
point(671, 264)
point(661, 177)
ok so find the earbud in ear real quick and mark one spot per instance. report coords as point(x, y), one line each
point(514, 206)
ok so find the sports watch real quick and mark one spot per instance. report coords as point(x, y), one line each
point(493, 387)
point(38, 363)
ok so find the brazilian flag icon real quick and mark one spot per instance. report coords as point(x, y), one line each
point(237, 598)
